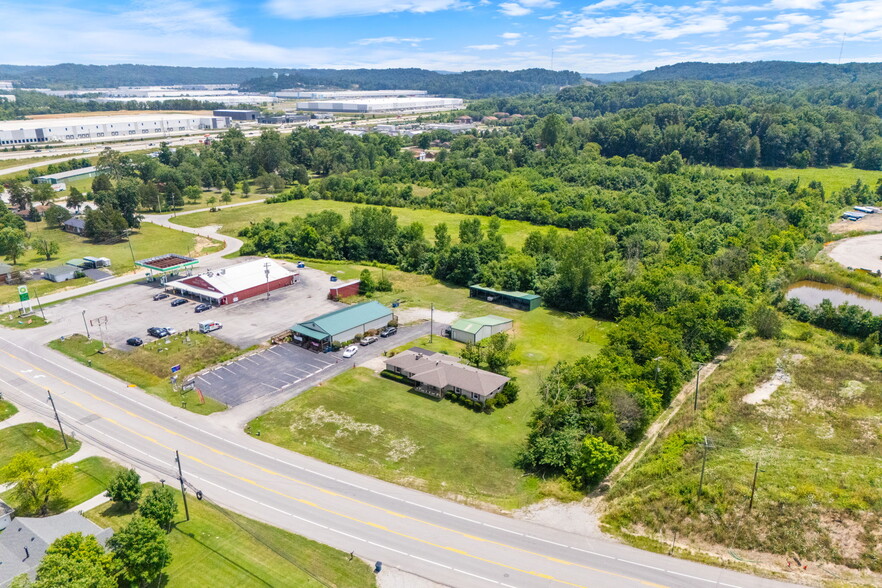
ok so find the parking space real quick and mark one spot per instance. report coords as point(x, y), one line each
point(259, 374)
point(130, 311)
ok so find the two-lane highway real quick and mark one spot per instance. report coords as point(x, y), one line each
point(420, 533)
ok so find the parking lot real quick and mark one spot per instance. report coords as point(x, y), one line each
point(285, 366)
point(130, 311)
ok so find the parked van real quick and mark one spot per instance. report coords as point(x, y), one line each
point(209, 326)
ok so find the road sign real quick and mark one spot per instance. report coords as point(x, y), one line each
point(176, 368)
point(23, 294)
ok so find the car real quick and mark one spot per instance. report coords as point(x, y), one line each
point(85, 150)
point(179, 301)
point(160, 296)
point(158, 332)
point(170, 330)
point(203, 307)
point(388, 332)
point(368, 340)
point(134, 341)
point(350, 351)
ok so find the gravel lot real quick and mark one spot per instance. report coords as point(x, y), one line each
point(858, 252)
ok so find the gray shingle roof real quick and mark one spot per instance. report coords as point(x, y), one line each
point(440, 370)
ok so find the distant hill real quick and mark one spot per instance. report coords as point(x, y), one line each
point(778, 73)
point(616, 76)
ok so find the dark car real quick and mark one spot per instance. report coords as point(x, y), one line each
point(179, 301)
point(388, 331)
point(158, 332)
point(160, 296)
point(203, 307)
point(134, 341)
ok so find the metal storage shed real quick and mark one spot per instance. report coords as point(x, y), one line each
point(62, 273)
point(518, 300)
point(473, 330)
point(341, 325)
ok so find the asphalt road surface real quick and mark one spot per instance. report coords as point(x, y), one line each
point(447, 542)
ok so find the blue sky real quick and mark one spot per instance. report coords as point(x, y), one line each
point(599, 36)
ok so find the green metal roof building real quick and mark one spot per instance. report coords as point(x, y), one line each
point(517, 300)
point(475, 329)
point(341, 325)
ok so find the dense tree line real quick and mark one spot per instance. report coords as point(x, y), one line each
point(776, 73)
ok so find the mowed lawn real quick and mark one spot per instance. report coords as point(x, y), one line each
point(217, 547)
point(7, 409)
point(148, 241)
point(148, 366)
point(372, 425)
point(91, 477)
point(833, 178)
point(37, 438)
point(234, 219)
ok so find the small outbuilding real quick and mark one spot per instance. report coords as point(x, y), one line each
point(476, 329)
point(343, 290)
point(516, 300)
point(62, 273)
point(5, 273)
point(341, 325)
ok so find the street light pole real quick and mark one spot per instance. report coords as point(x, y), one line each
point(57, 418)
point(266, 272)
point(88, 336)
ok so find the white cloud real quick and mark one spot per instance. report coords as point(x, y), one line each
point(797, 4)
point(860, 20)
point(483, 47)
point(511, 35)
point(607, 4)
point(514, 9)
point(391, 41)
point(304, 9)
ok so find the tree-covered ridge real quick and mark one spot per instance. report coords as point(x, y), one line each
point(776, 73)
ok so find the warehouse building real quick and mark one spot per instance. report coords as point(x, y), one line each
point(235, 283)
point(67, 176)
point(14, 132)
point(341, 325)
point(244, 115)
point(377, 105)
point(347, 94)
point(517, 300)
point(476, 329)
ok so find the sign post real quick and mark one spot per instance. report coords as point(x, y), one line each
point(25, 300)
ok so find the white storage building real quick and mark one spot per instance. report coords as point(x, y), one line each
point(14, 132)
point(347, 94)
point(370, 105)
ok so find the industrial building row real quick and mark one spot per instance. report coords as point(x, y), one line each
point(15, 132)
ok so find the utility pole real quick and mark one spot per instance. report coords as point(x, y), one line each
point(266, 272)
point(703, 463)
point(40, 304)
point(697, 371)
point(57, 419)
point(753, 486)
point(132, 251)
point(181, 478)
point(88, 336)
point(431, 322)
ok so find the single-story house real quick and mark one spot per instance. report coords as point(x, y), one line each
point(62, 273)
point(475, 329)
point(24, 542)
point(517, 300)
point(341, 325)
point(6, 512)
point(235, 283)
point(437, 374)
point(77, 226)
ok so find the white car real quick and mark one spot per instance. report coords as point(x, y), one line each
point(350, 351)
point(170, 330)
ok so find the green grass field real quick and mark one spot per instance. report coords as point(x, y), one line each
point(233, 219)
point(817, 439)
point(833, 178)
point(148, 366)
point(7, 409)
point(148, 241)
point(369, 424)
point(90, 479)
point(219, 548)
point(14, 321)
point(46, 443)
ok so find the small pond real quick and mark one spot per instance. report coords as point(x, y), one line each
point(812, 293)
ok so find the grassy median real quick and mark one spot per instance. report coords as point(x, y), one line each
point(149, 366)
point(217, 547)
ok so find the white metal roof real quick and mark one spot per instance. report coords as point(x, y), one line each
point(234, 278)
point(14, 125)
